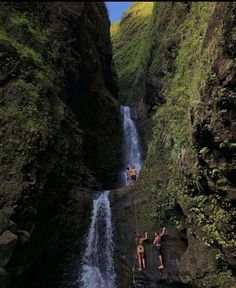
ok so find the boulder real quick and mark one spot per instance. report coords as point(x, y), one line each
point(8, 242)
point(197, 261)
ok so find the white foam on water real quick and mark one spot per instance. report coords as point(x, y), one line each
point(97, 261)
point(131, 145)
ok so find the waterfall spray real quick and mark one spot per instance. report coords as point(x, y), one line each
point(98, 264)
point(131, 145)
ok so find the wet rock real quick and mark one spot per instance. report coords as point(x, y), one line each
point(23, 237)
point(3, 278)
point(8, 242)
point(8, 211)
point(197, 261)
point(13, 227)
point(173, 244)
point(4, 222)
point(231, 193)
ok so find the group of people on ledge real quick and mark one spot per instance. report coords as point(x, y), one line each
point(157, 246)
point(131, 175)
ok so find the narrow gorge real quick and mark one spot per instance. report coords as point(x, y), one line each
point(82, 99)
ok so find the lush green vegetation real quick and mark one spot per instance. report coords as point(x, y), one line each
point(38, 58)
point(27, 123)
point(129, 39)
point(173, 130)
point(171, 152)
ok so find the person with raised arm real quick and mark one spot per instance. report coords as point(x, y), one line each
point(140, 251)
point(157, 246)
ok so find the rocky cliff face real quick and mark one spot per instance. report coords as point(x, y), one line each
point(187, 85)
point(57, 98)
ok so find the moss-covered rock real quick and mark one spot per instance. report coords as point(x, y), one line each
point(60, 124)
point(188, 84)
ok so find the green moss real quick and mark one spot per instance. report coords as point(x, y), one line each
point(18, 20)
point(222, 181)
point(192, 65)
point(130, 42)
point(26, 51)
point(28, 118)
point(22, 49)
point(218, 280)
point(185, 192)
point(204, 151)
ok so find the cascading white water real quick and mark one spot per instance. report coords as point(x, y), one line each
point(97, 262)
point(131, 145)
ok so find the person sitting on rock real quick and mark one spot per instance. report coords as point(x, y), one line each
point(157, 246)
point(133, 174)
point(140, 251)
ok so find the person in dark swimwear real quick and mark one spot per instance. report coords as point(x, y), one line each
point(157, 246)
point(133, 173)
point(140, 251)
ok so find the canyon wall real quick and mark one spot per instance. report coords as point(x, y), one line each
point(184, 92)
point(58, 96)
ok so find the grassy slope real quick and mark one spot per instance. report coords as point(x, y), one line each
point(129, 39)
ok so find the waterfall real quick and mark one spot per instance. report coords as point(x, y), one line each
point(97, 269)
point(97, 261)
point(131, 145)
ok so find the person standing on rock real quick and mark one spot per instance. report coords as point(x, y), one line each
point(133, 173)
point(157, 246)
point(128, 175)
point(140, 251)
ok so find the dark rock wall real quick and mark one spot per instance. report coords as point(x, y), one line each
point(59, 129)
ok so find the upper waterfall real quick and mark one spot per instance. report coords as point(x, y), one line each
point(131, 144)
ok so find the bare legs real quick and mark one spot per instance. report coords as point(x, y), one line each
point(161, 262)
point(141, 261)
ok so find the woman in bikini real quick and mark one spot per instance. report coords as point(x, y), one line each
point(140, 251)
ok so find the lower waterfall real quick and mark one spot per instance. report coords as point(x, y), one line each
point(97, 261)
